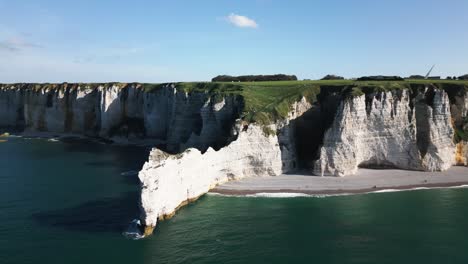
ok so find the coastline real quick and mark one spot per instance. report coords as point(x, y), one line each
point(365, 181)
point(53, 137)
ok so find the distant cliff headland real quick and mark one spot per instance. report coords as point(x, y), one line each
point(210, 133)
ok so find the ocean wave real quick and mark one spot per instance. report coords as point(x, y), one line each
point(294, 195)
point(389, 190)
point(280, 195)
point(133, 231)
point(297, 195)
point(419, 189)
point(53, 140)
point(459, 187)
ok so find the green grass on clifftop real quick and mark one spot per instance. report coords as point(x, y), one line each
point(266, 102)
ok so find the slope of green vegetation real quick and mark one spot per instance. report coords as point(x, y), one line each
point(263, 101)
point(269, 101)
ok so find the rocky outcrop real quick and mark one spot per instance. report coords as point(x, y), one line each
point(171, 181)
point(390, 129)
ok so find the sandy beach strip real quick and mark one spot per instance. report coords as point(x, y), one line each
point(365, 181)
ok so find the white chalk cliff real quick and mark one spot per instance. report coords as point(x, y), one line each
point(389, 132)
point(123, 113)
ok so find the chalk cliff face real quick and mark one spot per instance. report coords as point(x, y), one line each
point(389, 129)
point(170, 181)
point(174, 118)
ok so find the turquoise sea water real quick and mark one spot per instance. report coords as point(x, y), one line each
point(68, 202)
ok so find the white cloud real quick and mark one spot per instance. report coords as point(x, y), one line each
point(241, 21)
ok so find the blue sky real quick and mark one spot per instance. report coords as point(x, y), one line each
point(163, 41)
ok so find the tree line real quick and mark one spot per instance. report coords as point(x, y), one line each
point(254, 78)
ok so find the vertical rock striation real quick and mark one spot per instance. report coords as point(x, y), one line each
point(123, 113)
point(389, 129)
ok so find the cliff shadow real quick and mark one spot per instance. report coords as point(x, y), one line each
point(310, 128)
point(104, 215)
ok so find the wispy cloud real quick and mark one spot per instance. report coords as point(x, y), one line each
point(15, 44)
point(241, 21)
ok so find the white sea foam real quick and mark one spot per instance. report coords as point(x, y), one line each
point(53, 140)
point(133, 230)
point(459, 187)
point(295, 195)
point(419, 189)
point(280, 195)
point(388, 190)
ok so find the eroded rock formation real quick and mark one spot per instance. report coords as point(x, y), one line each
point(389, 129)
point(124, 113)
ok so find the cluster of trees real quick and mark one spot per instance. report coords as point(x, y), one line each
point(284, 77)
point(254, 78)
point(380, 78)
point(463, 77)
point(416, 77)
point(332, 77)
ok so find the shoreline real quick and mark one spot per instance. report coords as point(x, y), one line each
point(64, 137)
point(365, 181)
point(338, 191)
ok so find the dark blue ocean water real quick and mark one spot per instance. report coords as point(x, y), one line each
point(68, 202)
